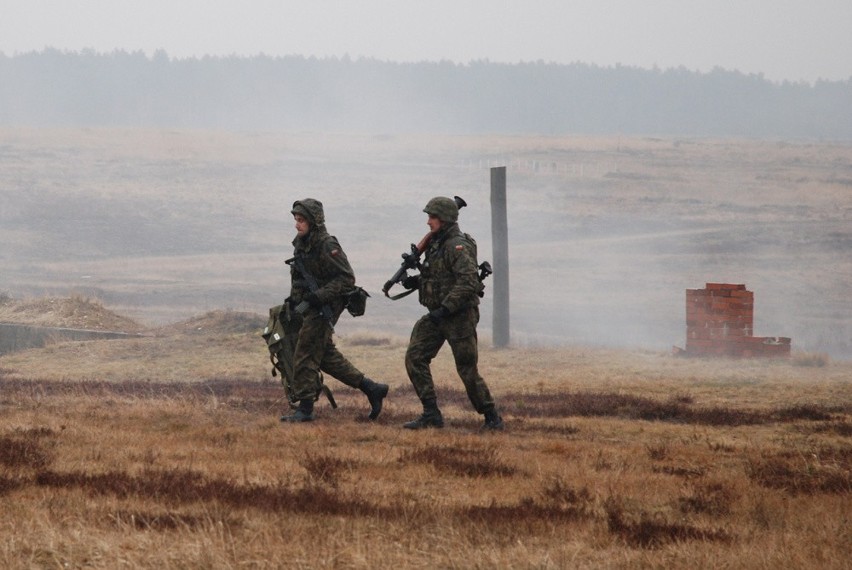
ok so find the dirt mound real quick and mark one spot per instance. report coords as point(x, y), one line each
point(73, 312)
point(221, 322)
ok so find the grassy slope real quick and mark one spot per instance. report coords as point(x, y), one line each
point(167, 451)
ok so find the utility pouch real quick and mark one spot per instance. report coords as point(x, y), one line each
point(356, 301)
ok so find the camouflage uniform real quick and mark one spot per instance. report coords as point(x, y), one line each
point(314, 349)
point(449, 287)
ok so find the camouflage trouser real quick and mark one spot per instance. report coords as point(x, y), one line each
point(459, 331)
point(314, 351)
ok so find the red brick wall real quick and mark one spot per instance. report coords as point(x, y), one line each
point(720, 322)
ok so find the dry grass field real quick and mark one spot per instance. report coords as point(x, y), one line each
point(165, 450)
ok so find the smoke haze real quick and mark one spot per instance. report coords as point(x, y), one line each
point(606, 233)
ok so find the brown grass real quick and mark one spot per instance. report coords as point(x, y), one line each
point(174, 457)
point(810, 470)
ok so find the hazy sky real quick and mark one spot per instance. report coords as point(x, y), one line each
point(797, 40)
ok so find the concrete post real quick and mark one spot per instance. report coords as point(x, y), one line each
point(500, 252)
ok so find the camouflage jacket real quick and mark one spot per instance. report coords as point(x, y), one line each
point(325, 260)
point(449, 272)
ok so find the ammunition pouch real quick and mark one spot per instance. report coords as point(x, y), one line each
point(356, 301)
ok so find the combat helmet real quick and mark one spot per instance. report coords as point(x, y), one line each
point(445, 209)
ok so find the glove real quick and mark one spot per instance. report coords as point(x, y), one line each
point(313, 300)
point(411, 282)
point(438, 314)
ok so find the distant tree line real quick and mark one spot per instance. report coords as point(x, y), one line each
point(57, 88)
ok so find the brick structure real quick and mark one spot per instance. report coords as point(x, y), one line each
point(720, 322)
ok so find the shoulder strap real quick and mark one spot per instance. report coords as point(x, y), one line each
point(405, 293)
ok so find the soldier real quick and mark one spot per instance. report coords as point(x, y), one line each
point(320, 256)
point(449, 288)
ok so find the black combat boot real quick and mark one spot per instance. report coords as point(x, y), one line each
point(304, 413)
point(493, 421)
point(376, 393)
point(431, 416)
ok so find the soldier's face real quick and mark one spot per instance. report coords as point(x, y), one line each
point(302, 225)
point(434, 223)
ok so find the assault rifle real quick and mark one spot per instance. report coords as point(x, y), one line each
point(313, 286)
point(411, 260)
